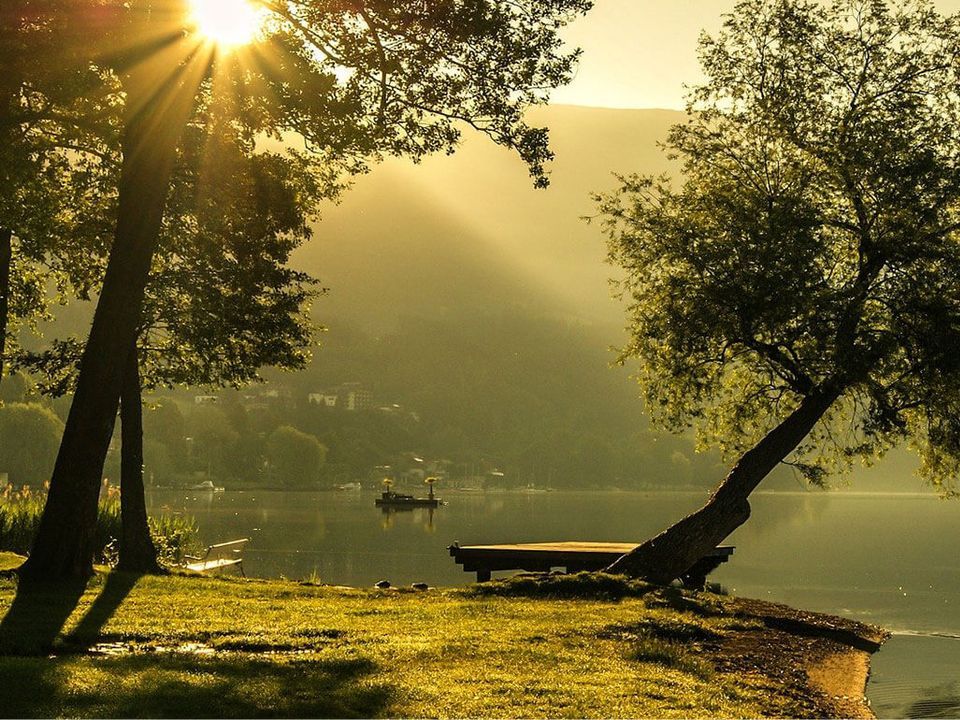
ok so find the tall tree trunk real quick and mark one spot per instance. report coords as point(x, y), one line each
point(137, 552)
point(6, 256)
point(158, 108)
point(674, 551)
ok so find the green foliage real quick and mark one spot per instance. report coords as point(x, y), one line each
point(813, 246)
point(357, 83)
point(20, 511)
point(569, 586)
point(14, 388)
point(174, 536)
point(295, 457)
point(530, 395)
point(213, 436)
point(59, 122)
point(29, 438)
point(19, 516)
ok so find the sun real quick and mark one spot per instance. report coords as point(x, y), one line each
point(227, 23)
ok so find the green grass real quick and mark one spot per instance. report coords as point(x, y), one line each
point(203, 647)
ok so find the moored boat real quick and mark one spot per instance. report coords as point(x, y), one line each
point(389, 498)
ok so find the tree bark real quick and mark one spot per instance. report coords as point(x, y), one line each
point(137, 552)
point(6, 257)
point(674, 551)
point(159, 101)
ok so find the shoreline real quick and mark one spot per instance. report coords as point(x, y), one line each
point(592, 645)
point(827, 655)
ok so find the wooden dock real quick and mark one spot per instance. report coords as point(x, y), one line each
point(572, 556)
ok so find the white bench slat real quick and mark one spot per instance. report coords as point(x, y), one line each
point(212, 564)
point(219, 556)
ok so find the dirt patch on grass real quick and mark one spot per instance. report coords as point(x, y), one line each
point(822, 660)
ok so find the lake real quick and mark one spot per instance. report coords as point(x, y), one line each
point(889, 559)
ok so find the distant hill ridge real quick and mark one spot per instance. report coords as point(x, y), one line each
point(469, 230)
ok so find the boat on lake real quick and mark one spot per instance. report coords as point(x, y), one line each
point(208, 486)
point(388, 498)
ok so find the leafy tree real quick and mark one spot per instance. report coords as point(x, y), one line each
point(164, 423)
point(221, 302)
point(212, 434)
point(15, 389)
point(57, 118)
point(295, 457)
point(29, 434)
point(797, 297)
point(413, 73)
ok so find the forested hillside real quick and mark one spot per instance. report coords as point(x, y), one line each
point(493, 327)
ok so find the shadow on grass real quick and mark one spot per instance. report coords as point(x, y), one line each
point(35, 620)
point(180, 685)
point(37, 615)
point(115, 590)
point(46, 674)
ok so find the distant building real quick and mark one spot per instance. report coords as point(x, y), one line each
point(359, 400)
point(354, 397)
point(205, 399)
point(349, 396)
point(322, 398)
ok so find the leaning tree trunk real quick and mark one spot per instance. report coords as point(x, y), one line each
point(6, 256)
point(158, 111)
point(137, 552)
point(674, 551)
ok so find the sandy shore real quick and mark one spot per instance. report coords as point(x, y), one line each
point(823, 659)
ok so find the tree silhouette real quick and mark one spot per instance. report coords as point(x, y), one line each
point(797, 298)
point(353, 80)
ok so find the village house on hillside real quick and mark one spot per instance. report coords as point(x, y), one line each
point(350, 396)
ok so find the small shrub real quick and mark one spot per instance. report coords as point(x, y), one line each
point(174, 536)
point(582, 585)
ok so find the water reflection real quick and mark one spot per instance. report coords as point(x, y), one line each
point(420, 516)
point(915, 676)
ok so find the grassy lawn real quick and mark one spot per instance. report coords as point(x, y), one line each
point(193, 646)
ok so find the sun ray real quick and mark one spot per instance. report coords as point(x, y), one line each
point(228, 24)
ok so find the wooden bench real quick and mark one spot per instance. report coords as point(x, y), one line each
point(572, 556)
point(218, 556)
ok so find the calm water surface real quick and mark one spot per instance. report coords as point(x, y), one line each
point(887, 559)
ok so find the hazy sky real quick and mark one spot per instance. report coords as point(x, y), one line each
point(639, 53)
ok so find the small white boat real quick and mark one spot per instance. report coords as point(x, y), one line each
point(207, 485)
point(349, 486)
point(530, 489)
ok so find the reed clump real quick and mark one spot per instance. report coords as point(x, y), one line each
point(21, 508)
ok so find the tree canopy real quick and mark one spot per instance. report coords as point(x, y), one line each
point(295, 457)
point(29, 434)
point(351, 80)
point(813, 245)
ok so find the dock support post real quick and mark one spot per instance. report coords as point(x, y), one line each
point(483, 576)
